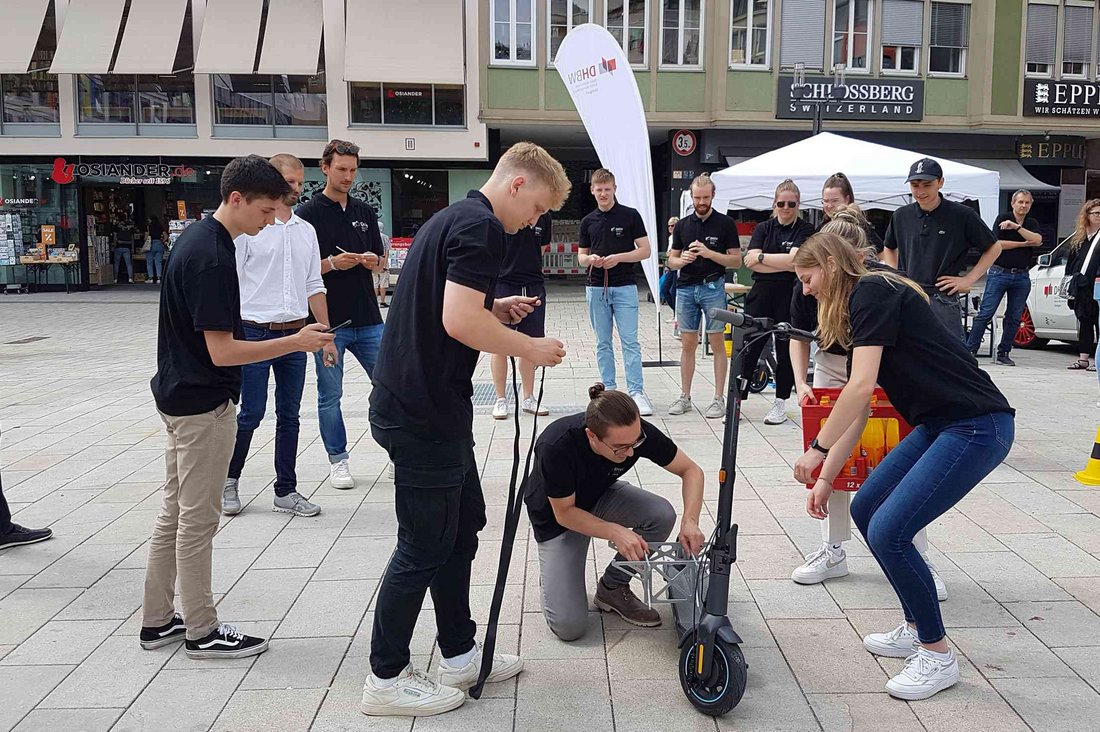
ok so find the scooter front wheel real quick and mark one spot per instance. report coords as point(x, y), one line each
point(722, 693)
point(760, 379)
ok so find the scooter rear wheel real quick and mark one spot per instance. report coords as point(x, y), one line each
point(722, 694)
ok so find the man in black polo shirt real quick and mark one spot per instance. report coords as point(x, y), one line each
point(612, 240)
point(703, 245)
point(351, 252)
point(521, 274)
point(200, 349)
point(1018, 235)
point(929, 239)
point(421, 412)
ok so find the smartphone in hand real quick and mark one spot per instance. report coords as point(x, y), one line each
point(345, 324)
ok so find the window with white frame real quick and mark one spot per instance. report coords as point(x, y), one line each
point(681, 32)
point(749, 32)
point(564, 16)
point(513, 23)
point(852, 34)
point(949, 38)
point(1077, 41)
point(1041, 42)
point(902, 35)
point(628, 22)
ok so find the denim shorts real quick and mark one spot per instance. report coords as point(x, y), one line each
point(692, 301)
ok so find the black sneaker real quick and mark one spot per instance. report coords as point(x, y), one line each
point(18, 536)
point(226, 642)
point(170, 632)
point(1004, 360)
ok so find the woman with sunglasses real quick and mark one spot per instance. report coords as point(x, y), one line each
point(1083, 266)
point(576, 493)
point(771, 258)
point(963, 428)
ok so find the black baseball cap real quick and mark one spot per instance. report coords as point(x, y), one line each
point(924, 169)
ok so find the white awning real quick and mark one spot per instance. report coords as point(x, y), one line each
point(151, 37)
point(88, 37)
point(292, 38)
point(1013, 175)
point(405, 42)
point(230, 32)
point(732, 160)
point(20, 26)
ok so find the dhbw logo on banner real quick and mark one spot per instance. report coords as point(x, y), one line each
point(607, 65)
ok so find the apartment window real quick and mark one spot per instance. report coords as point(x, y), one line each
point(31, 98)
point(166, 100)
point(681, 32)
point(628, 22)
point(1077, 41)
point(436, 105)
point(802, 33)
point(749, 32)
point(851, 34)
point(513, 32)
point(141, 100)
point(261, 100)
point(902, 35)
point(565, 15)
point(950, 37)
point(1042, 39)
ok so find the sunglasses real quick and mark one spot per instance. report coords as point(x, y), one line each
point(786, 204)
point(619, 450)
point(345, 148)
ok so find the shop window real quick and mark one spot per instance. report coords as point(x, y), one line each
point(513, 24)
point(902, 35)
point(950, 38)
point(416, 195)
point(565, 15)
point(301, 100)
point(136, 100)
point(628, 22)
point(106, 98)
point(851, 33)
point(270, 101)
point(241, 99)
point(166, 100)
point(439, 105)
point(681, 32)
point(749, 32)
point(31, 98)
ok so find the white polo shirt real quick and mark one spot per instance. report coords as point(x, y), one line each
point(279, 270)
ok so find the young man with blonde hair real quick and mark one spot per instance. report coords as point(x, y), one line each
point(443, 316)
point(612, 240)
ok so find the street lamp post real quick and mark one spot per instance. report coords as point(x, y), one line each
point(803, 92)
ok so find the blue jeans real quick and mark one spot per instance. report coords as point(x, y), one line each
point(363, 343)
point(290, 380)
point(998, 283)
point(926, 474)
point(122, 255)
point(694, 301)
point(668, 288)
point(154, 260)
point(618, 307)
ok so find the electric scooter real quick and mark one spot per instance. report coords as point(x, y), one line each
point(712, 668)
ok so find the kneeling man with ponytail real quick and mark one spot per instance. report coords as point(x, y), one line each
point(575, 493)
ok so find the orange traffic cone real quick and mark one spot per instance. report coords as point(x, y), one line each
point(1091, 474)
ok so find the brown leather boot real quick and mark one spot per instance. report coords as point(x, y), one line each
point(627, 605)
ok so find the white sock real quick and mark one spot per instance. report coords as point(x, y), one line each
point(384, 683)
point(941, 656)
point(461, 660)
point(836, 547)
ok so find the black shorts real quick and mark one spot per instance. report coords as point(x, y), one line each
point(534, 325)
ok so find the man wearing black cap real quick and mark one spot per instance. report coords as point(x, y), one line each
point(929, 240)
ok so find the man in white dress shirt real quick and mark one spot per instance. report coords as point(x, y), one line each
point(280, 275)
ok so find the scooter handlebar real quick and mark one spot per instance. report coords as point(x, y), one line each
point(740, 320)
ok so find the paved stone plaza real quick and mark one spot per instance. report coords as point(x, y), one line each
point(82, 451)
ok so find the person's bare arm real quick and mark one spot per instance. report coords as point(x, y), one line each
point(225, 350)
point(630, 545)
point(752, 261)
point(890, 257)
point(692, 481)
point(640, 254)
point(466, 320)
point(952, 285)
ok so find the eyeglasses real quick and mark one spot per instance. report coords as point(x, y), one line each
point(786, 204)
point(1094, 213)
point(620, 450)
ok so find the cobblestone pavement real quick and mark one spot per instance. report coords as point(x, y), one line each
point(83, 452)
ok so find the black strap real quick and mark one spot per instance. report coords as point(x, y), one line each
point(511, 523)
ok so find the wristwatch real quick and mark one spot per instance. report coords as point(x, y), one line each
point(760, 257)
point(814, 444)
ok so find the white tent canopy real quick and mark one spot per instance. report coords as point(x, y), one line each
point(877, 173)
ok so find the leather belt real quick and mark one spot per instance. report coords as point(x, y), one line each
point(292, 325)
point(1010, 270)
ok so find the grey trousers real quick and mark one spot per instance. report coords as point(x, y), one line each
point(562, 559)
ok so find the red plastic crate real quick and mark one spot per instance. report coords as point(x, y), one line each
point(885, 429)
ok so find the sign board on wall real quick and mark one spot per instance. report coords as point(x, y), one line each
point(49, 235)
point(890, 100)
point(1073, 198)
point(1063, 151)
point(1049, 98)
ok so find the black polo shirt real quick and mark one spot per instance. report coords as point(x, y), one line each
point(354, 229)
point(565, 465)
point(522, 261)
point(773, 237)
point(1020, 257)
point(934, 244)
point(200, 292)
point(613, 231)
point(718, 233)
point(422, 381)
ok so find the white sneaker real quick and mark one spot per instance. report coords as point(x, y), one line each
point(778, 413)
point(716, 409)
point(412, 695)
point(900, 642)
point(530, 404)
point(941, 588)
point(924, 675)
point(505, 666)
point(681, 405)
point(821, 565)
point(339, 474)
point(500, 409)
point(645, 407)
